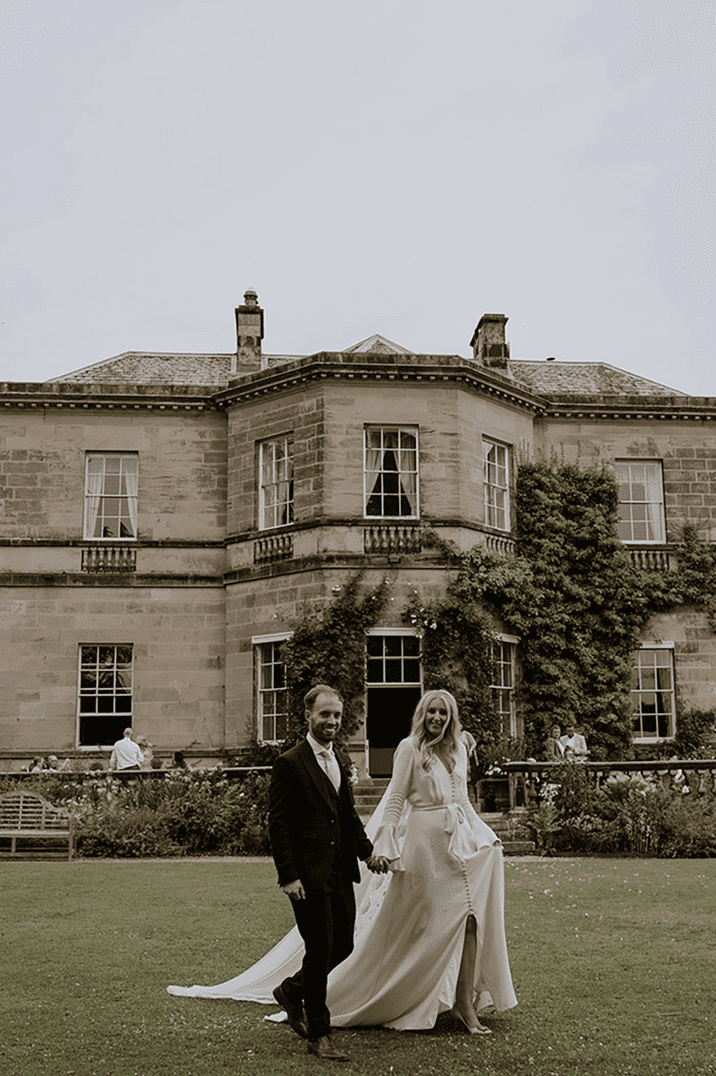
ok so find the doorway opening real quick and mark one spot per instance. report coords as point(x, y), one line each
point(393, 690)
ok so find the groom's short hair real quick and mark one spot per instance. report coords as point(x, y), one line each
point(320, 689)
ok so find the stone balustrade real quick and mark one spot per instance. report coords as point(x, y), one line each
point(109, 558)
point(526, 778)
point(499, 544)
point(273, 547)
point(391, 538)
point(655, 560)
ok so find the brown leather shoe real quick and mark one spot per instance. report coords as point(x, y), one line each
point(325, 1049)
point(296, 1015)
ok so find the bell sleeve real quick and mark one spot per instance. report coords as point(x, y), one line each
point(386, 842)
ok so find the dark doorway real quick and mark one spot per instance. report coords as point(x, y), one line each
point(389, 714)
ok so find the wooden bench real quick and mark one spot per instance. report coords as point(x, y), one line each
point(29, 815)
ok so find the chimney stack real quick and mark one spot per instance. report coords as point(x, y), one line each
point(488, 341)
point(249, 334)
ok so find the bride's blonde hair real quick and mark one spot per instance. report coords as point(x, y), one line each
point(450, 735)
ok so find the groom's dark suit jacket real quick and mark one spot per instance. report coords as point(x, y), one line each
point(313, 829)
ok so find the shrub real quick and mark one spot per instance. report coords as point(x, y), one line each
point(689, 827)
point(630, 814)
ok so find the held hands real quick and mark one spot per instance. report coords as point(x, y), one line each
point(377, 864)
point(295, 890)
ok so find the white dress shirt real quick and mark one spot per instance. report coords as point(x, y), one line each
point(326, 758)
point(125, 753)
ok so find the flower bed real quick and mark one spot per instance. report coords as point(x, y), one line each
point(186, 813)
point(627, 813)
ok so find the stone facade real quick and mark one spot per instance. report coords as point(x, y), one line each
point(201, 581)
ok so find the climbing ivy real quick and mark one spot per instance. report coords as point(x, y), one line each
point(575, 599)
point(328, 647)
point(457, 638)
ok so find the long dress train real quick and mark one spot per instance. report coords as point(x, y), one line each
point(410, 928)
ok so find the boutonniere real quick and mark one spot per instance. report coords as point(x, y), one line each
point(349, 769)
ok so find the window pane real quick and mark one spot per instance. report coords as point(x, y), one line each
point(496, 485)
point(393, 671)
point(652, 693)
point(390, 472)
point(374, 672)
point(411, 671)
point(276, 483)
point(641, 497)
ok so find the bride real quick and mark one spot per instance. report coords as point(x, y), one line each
point(430, 935)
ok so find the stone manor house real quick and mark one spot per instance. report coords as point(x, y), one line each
point(166, 518)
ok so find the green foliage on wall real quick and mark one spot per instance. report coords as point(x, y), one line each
point(575, 599)
point(457, 639)
point(328, 647)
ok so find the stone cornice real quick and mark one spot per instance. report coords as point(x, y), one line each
point(73, 396)
point(340, 366)
point(631, 408)
point(356, 367)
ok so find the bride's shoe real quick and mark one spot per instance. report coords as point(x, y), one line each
point(480, 1029)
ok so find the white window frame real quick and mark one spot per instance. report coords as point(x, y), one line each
point(96, 496)
point(408, 478)
point(509, 716)
point(497, 493)
point(276, 483)
point(259, 642)
point(639, 691)
point(396, 633)
point(83, 692)
point(650, 505)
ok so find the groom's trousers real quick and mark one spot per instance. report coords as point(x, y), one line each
point(326, 921)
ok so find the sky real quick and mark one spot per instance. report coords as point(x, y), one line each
point(397, 167)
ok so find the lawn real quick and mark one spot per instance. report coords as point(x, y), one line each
point(612, 961)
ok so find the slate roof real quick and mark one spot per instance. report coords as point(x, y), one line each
point(214, 370)
point(142, 368)
point(584, 379)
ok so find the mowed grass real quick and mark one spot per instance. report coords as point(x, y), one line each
point(613, 963)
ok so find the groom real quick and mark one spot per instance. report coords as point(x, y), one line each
point(316, 839)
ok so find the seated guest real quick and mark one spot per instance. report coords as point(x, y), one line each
point(554, 752)
point(147, 753)
point(574, 745)
point(54, 764)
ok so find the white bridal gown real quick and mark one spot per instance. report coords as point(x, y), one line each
point(410, 928)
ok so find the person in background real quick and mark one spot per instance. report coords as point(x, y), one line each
point(574, 745)
point(54, 764)
point(147, 752)
point(126, 754)
point(553, 748)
